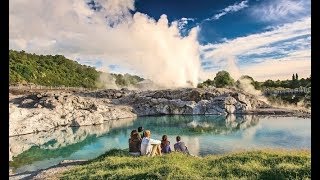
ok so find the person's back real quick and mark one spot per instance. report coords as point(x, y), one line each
point(140, 131)
point(180, 146)
point(134, 143)
point(145, 146)
point(146, 143)
point(165, 145)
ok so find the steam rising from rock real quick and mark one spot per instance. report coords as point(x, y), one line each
point(107, 81)
point(245, 85)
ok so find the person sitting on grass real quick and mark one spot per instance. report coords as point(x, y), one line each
point(150, 147)
point(180, 146)
point(165, 144)
point(134, 143)
point(140, 131)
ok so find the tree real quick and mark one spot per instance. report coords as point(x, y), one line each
point(269, 83)
point(295, 82)
point(247, 77)
point(200, 85)
point(208, 82)
point(223, 79)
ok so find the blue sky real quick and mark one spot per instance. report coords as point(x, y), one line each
point(266, 39)
point(230, 25)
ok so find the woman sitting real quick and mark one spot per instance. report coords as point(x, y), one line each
point(134, 143)
point(150, 146)
point(165, 145)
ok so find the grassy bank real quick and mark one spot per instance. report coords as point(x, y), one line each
point(265, 164)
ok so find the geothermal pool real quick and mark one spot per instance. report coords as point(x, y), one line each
point(202, 134)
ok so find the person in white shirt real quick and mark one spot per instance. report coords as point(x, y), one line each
point(150, 147)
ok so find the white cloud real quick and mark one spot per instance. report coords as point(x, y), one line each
point(151, 47)
point(116, 11)
point(260, 50)
point(281, 10)
point(243, 44)
point(232, 8)
point(282, 68)
point(183, 22)
point(225, 54)
point(285, 47)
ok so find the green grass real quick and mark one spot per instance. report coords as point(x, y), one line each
point(262, 164)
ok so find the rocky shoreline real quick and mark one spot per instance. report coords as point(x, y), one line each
point(33, 112)
point(50, 173)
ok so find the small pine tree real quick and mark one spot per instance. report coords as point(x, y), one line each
point(293, 77)
point(296, 76)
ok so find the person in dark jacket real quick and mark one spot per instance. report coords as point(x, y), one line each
point(134, 143)
point(165, 144)
point(141, 131)
point(180, 146)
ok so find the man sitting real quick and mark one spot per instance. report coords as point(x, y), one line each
point(180, 146)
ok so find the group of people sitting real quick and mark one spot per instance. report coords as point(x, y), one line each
point(141, 143)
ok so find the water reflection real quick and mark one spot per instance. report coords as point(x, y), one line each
point(62, 137)
point(202, 134)
point(222, 125)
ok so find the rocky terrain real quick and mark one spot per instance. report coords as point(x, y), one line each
point(191, 101)
point(37, 112)
point(41, 111)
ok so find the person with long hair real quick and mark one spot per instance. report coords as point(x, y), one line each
point(134, 143)
point(165, 144)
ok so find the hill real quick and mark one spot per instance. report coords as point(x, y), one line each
point(57, 70)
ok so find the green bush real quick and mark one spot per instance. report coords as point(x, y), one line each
point(223, 79)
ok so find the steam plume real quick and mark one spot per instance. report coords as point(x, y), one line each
point(152, 48)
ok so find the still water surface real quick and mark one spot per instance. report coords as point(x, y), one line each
point(202, 134)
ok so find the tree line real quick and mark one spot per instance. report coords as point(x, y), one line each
point(224, 79)
point(56, 70)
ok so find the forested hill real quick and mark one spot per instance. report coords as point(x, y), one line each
point(49, 70)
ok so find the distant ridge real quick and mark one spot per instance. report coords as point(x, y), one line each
point(57, 70)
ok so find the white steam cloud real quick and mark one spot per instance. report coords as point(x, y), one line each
point(153, 48)
point(245, 85)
